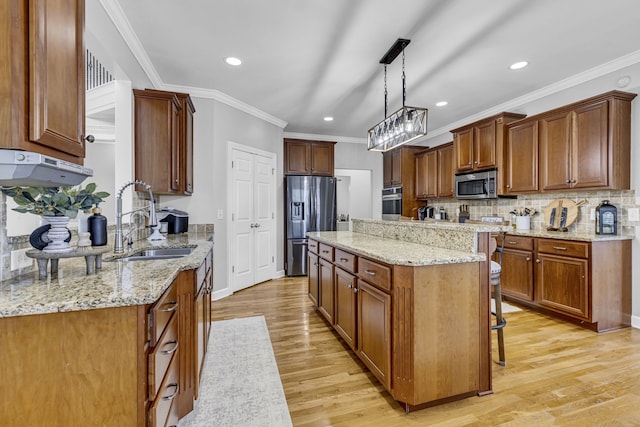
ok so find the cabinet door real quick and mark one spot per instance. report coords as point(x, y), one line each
point(199, 329)
point(346, 306)
point(445, 171)
point(562, 284)
point(374, 331)
point(313, 277)
point(516, 278)
point(186, 339)
point(522, 158)
point(322, 159)
point(432, 174)
point(186, 142)
point(396, 167)
point(590, 146)
point(421, 176)
point(387, 166)
point(326, 303)
point(555, 152)
point(297, 157)
point(484, 145)
point(56, 75)
point(463, 150)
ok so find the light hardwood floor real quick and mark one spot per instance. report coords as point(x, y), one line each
point(557, 374)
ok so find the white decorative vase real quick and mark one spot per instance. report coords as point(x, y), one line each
point(523, 223)
point(57, 234)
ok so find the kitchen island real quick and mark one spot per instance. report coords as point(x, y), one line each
point(411, 299)
point(119, 347)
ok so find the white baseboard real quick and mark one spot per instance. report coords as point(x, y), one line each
point(279, 274)
point(222, 293)
point(635, 322)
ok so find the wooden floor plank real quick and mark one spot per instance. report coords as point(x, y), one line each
point(557, 374)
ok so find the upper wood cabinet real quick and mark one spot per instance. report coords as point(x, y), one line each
point(164, 141)
point(42, 106)
point(522, 158)
point(434, 173)
point(399, 170)
point(302, 157)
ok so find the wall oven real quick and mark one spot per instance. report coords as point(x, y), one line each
point(477, 185)
point(392, 203)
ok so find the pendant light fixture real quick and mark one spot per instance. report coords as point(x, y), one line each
point(406, 124)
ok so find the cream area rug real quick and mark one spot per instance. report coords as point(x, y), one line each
point(241, 384)
point(506, 308)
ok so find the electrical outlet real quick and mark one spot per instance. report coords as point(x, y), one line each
point(634, 214)
point(19, 259)
point(220, 214)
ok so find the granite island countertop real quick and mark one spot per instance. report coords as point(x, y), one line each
point(117, 284)
point(392, 251)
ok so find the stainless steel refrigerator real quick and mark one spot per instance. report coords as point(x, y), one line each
point(311, 206)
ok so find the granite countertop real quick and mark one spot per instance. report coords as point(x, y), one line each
point(117, 284)
point(570, 235)
point(393, 251)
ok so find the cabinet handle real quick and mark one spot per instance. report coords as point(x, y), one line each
point(568, 181)
point(511, 242)
point(89, 138)
point(559, 248)
point(538, 261)
point(508, 185)
point(370, 273)
point(476, 162)
point(175, 393)
point(528, 259)
point(350, 286)
point(325, 252)
point(355, 290)
point(172, 349)
point(176, 180)
point(343, 260)
point(173, 307)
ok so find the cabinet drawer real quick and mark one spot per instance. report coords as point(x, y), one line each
point(374, 273)
point(161, 406)
point(326, 252)
point(161, 313)
point(345, 260)
point(313, 246)
point(564, 247)
point(518, 242)
point(160, 357)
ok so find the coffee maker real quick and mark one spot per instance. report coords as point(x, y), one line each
point(425, 212)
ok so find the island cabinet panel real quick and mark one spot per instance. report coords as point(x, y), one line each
point(43, 77)
point(374, 331)
point(436, 311)
point(326, 301)
point(346, 306)
point(313, 276)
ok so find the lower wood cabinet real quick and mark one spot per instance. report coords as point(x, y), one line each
point(588, 283)
point(314, 278)
point(393, 318)
point(121, 366)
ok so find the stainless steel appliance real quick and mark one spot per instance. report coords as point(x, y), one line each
point(392, 203)
point(476, 185)
point(177, 221)
point(311, 206)
point(24, 168)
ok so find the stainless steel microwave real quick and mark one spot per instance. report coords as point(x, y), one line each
point(477, 185)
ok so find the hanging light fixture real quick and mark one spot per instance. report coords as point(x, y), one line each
point(406, 124)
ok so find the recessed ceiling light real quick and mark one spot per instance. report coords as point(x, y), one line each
point(328, 119)
point(519, 65)
point(441, 103)
point(232, 60)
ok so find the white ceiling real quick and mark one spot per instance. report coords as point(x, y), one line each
point(306, 59)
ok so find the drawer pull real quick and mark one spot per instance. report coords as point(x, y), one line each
point(172, 349)
point(528, 259)
point(512, 242)
point(175, 393)
point(559, 248)
point(350, 286)
point(173, 307)
point(343, 260)
point(370, 272)
point(325, 252)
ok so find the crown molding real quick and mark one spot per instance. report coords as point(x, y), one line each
point(575, 80)
point(317, 137)
point(226, 99)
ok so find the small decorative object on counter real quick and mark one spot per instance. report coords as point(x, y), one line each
point(523, 218)
point(98, 228)
point(606, 218)
point(84, 241)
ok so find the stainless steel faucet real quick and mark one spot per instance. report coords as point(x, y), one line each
point(118, 247)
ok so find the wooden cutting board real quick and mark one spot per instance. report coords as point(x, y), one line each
point(558, 205)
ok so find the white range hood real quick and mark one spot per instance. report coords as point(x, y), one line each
point(24, 168)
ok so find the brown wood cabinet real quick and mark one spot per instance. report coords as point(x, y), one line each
point(434, 173)
point(163, 133)
point(203, 287)
point(588, 283)
point(326, 303)
point(43, 102)
point(481, 145)
point(399, 313)
point(313, 264)
point(302, 157)
point(399, 170)
point(522, 158)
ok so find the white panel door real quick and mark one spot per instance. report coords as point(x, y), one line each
point(253, 218)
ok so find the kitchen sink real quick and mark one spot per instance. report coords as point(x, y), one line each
point(160, 253)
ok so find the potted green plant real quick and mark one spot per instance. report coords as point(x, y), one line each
point(56, 205)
